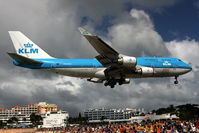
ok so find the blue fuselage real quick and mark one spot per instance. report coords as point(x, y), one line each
point(90, 68)
point(154, 62)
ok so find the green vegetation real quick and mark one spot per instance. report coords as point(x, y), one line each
point(13, 120)
point(185, 112)
point(78, 120)
point(35, 119)
point(2, 124)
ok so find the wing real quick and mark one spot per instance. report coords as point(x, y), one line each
point(118, 65)
point(107, 55)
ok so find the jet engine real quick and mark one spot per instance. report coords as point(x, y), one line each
point(127, 61)
point(146, 71)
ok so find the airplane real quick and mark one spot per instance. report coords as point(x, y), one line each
point(109, 67)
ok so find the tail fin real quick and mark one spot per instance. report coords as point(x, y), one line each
point(25, 47)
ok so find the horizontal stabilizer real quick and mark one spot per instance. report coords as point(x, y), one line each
point(23, 60)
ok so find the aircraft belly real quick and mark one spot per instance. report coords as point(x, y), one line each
point(168, 72)
point(76, 72)
point(99, 72)
point(160, 72)
point(179, 71)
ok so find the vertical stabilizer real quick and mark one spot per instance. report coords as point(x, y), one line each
point(25, 47)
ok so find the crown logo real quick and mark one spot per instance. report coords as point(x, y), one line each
point(28, 45)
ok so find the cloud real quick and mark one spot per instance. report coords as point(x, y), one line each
point(155, 3)
point(138, 35)
point(185, 49)
point(97, 10)
point(196, 4)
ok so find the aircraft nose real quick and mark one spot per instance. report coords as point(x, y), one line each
point(189, 68)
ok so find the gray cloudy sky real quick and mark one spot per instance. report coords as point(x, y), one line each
point(53, 26)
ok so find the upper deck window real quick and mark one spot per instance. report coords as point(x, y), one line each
point(166, 59)
point(150, 59)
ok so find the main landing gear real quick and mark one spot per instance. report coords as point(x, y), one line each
point(176, 80)
point(112, 82)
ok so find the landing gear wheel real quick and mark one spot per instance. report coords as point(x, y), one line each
point(176, 80)
point(106, 84)
point(120, 83)
point(113, 83)
point(112, 86)
point(110, 82)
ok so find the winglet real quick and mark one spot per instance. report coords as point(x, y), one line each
point(84, 32)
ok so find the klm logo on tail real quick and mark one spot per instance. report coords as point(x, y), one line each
point(28, 49)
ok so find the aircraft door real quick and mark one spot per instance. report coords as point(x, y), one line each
point(153, 65)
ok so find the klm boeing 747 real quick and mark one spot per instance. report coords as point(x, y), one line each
point(109, 66)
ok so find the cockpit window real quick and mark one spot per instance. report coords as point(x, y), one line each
point(179, 60)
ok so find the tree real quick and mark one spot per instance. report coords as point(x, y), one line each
point(185, 112)
point(2, 124)
point(188, 111)
point(35, 119)
point(13, 120)
point(80, 115)
point(24, 119)
point(77, 120)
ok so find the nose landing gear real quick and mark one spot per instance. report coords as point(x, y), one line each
point(176, 80)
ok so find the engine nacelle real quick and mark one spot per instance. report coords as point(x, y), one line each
point(127, 61)
point(146, 71)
